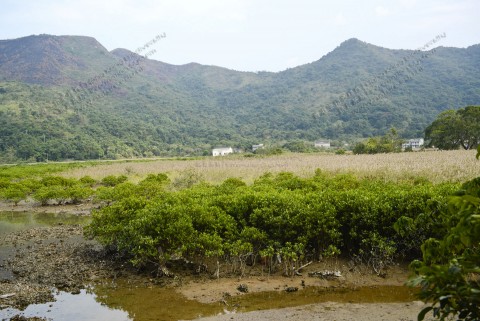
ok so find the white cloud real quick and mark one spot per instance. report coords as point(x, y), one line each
point(382, 11)
point(408, 3)
point(246, 34)
point(340, 20)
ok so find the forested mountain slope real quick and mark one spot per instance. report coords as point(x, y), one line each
point(66, 97)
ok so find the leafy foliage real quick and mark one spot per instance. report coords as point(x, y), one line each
point(386, 144)
point(454, 128)
point(14, 192)
point(281, 216)
point(112, 180)
point(449, 273)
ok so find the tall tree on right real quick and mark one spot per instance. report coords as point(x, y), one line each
point(455, 128)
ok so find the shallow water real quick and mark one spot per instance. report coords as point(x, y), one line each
point(310, 295)
point(68, 306)
point(18, 221)
point(122, 301)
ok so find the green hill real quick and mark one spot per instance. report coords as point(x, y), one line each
point(67, 97)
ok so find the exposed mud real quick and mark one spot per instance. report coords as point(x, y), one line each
point(208, 290)
point(36, 261)
point(332, 311)
point(35, 207)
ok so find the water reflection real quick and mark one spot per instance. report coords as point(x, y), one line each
point(72, 307)
point(19, 221)
point(154, 302)
point(311, 295)
point(121, 301)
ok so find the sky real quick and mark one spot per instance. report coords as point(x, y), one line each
point(246, 35)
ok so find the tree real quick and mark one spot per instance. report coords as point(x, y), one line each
point(449, 274)
point(454, 128)
point(388, 143)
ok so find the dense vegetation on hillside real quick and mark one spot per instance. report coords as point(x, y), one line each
point(69, 98)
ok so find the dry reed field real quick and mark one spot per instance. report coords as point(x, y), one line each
point(436, 166)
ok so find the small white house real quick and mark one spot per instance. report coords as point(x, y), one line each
point(255, 147)
point(222, 151)
point(414, 143)
point(322, 143)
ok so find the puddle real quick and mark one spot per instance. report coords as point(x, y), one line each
point(124, 302)
point(154, 303)
point(311, 295)
point(68, 306)
point(19, 221)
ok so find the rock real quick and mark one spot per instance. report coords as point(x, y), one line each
point(326, 274)
point(291, 289)
point(5, 296)
point(242, 288)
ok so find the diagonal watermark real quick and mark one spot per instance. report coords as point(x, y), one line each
point(86, 93)
point(380, 85)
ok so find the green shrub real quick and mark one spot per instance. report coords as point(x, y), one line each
point(15, 193)
point(77, 194)
point(449, 271)
point(31, 183)
point(87, 181)
point(295, 218)
point(113, 180)
point(54, 193)
point(153, 185)
point(117, 193)
point(57, 180)
point(4, 183)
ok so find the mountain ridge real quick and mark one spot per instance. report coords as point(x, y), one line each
point(76, 92)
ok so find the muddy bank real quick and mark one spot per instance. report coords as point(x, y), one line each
point(209, 290)
point(35, 207)
point(35, 261)
point(332, 311)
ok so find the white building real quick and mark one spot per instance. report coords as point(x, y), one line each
point(322, 143)
point(414, 143)
point(255, 147)
point(222, 151)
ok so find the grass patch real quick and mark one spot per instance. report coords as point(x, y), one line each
point(434, 166)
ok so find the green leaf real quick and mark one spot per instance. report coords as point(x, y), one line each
point(422, 313)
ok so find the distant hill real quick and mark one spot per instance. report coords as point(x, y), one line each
point(67, 97)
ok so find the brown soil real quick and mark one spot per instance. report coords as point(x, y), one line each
point(332, 311)
point(35, 260)
point(208, 290)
